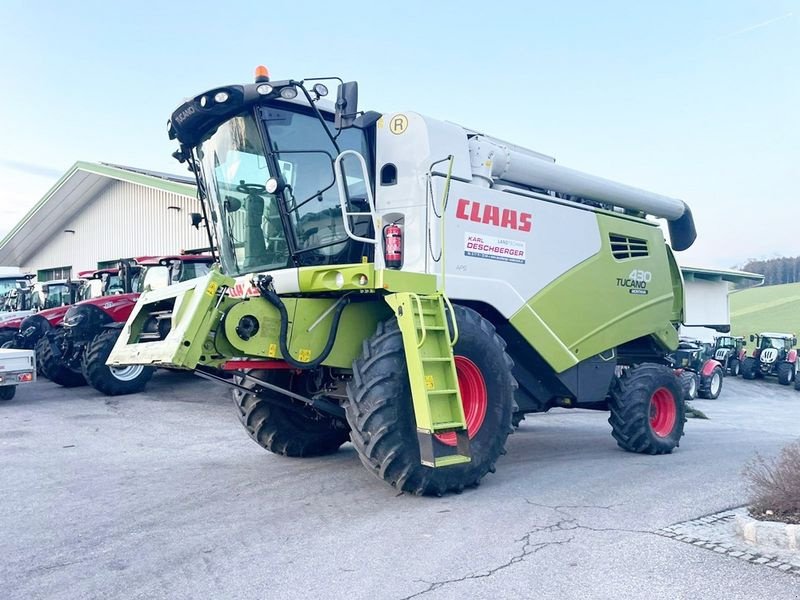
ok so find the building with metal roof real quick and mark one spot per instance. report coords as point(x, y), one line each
point(707, 309)
point(98, 213)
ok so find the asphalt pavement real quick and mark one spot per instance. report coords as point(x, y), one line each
point(163, 495)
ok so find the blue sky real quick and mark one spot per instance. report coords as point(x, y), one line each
point(698, 100)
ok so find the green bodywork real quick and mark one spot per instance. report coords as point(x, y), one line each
point(588, 310)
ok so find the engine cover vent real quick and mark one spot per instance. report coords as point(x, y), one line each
point(624, 247)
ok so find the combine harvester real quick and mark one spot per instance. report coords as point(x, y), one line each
point(413, 286)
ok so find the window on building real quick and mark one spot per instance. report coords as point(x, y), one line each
point(54, 273)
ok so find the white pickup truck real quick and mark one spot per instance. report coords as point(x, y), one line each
point(16, 367)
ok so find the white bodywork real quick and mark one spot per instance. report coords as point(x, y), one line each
point(16, 364)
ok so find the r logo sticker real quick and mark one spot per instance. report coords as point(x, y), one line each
point(398, 124)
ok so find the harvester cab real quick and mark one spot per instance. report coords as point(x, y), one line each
point(410, 284)
point(774, 354)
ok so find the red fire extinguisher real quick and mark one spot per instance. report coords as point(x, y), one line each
point(393, 246)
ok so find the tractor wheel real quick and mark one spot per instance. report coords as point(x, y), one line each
point(647, 410)
point(689, 382)
point(381, 413)
point(297, 431)
point(785, 373)
point(7, 392)
point(712, 385)
point(797, 383)
point(112, 381)
point(735, 367)
point(7, 339)
point(52, 366)
point(749, 368)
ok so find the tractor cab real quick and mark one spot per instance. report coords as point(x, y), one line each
point(774, 354)
point(157, 272)
point(729, 351)
point(21, 298)
point(63, 292)
point(113, 281)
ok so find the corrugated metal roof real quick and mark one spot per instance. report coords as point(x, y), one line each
point(78, 186)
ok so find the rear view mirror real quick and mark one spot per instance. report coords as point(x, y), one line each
point(196, 218)
point(752, 339)
point(346, 104)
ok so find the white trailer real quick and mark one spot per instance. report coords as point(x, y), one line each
point(16, 367)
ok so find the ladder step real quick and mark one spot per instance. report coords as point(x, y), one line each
point(447, 426)
point(440, 392)
point(432, 327)
point(436, 359)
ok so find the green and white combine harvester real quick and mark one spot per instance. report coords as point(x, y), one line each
point(413, 286)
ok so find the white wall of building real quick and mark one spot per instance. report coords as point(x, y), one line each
point(706, 303)
point(124, 220)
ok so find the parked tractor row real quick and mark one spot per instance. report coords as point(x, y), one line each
point(72, 340)
point(701, 366)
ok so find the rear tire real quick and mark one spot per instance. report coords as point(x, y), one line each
point(381, 412)
point(647, 410)
point(7, 392)
point(53, 366)
point(689, 382)
point(749, 368)
point(295, 433)
point(713, 385)
point(785, 373)
point(112, 381)
point(735, 367)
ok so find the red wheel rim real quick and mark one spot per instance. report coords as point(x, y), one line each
point(474, 398)
point(663, 412)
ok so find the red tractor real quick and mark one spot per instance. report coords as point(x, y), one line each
point(75, 353)
point(775, 354)
point(23, 331)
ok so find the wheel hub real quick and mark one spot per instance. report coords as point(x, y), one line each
point(474, 398)
point(663, 413)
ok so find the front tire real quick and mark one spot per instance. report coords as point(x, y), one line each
point(647, 410)
point(6, 338)
point(7, 392)
point(296, 432)
point(713, 385)
point(735, 367)
point(749, 368)
point(112, 381)
point(689, 382)
point(785, 373)
point(53, 366)
point(381, 412)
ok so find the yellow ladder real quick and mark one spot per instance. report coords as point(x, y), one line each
point(432, 374)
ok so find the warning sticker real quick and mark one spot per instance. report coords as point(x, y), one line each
point(494, 248)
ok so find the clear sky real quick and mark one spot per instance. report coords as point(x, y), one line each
point(697, 100)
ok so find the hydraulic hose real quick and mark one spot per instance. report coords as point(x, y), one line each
point(264, 286)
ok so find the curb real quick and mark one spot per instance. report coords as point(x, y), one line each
point(768, 533)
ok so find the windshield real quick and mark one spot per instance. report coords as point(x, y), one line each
point(726, 342)
point(248, 220)
point(6, 285)
point(57, 295)
point(184, 271)
point(777, 343)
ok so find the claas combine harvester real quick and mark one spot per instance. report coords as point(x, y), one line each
point(412, 286)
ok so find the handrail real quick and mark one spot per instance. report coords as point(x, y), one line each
point(340, 185)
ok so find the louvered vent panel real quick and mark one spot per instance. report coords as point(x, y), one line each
point(623, 247)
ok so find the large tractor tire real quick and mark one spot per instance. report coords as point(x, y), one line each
point(785, 373)
point(689, 382)
point(53, 366)
point(797, 383)
point(735, 367)
point(749, 368)
point(112, 381)
point(297, 431)
point(7, 339)
point(7, 392)
point(381, 413)
point(647, 410)
point(712, 385)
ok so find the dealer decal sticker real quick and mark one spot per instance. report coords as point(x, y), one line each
point(494, 248)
